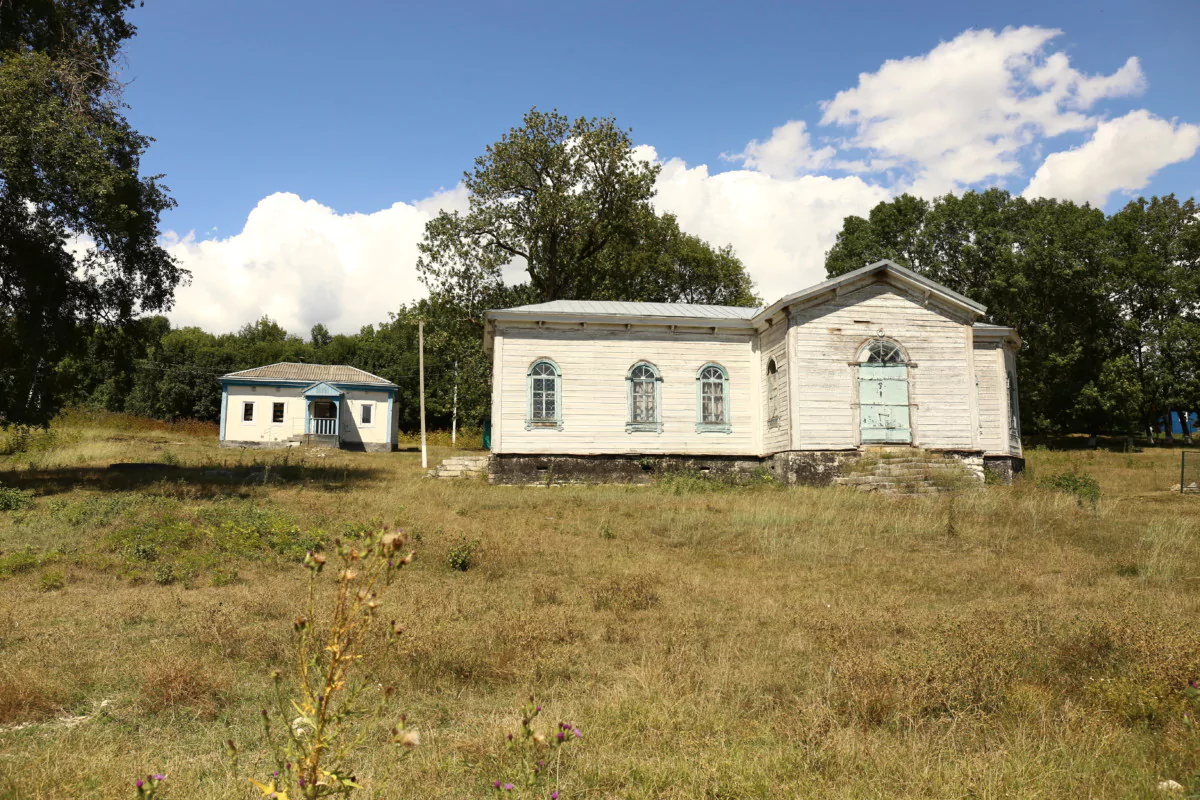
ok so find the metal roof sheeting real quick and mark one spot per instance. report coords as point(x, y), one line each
point(310, 373)
point(617, 308)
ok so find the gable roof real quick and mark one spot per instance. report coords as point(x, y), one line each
point(887, 266)
point(323, 389)
point(309, 374)
point(726, 316)
point(628, 309)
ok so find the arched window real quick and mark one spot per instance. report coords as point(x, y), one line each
point(545, 396)
point(645, 398)
point(772, 394)
point(712, 399)
point(881, 351)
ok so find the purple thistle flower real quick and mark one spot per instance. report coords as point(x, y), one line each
point(538, 709)
point(508, 787)
point(561, 736)
point(496, 784)
point(554, 796)
point(160, 777)
point(578, 733)
point(138, 783)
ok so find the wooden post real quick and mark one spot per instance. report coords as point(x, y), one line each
point(454, 408)
point(421, 365)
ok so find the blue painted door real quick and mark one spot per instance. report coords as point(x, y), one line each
point(883, 403)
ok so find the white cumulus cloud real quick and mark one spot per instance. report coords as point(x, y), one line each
point(786, 153)
point(300, 262)
point(779, 227)
point(1123, 154)
point(962, 113)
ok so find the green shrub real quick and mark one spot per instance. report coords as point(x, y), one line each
point(14, 499)
point(164, 574)
point(1083, 487)
point(18, 562)
point(461, 555)
point(52, 580)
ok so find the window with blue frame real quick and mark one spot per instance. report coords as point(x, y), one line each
point(545, 396)
point(645, 398)
point(712, 399)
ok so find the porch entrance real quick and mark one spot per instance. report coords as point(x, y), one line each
point(884, 414)
point(324, 410)
point(324, 416)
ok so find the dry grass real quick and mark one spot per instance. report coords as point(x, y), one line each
point(757, 642)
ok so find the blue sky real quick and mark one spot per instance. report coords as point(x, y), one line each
point(342, 131)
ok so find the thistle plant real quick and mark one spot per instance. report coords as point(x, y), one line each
point(148, 787)
point(541, 753)
point(317, 723)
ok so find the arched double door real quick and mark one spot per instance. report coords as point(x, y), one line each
point(884, 411)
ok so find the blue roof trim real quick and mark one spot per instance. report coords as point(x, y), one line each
point(369, 387)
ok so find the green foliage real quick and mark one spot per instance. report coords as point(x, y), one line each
point(69, 166)
point(571, 201)
point(52, 580)
point(1080, 485)
point(461, 555)
point(18, 562)
point(14, 499)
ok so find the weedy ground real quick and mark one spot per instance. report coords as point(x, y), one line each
point(711, 642)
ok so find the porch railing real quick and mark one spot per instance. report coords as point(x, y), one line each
point(324, 427)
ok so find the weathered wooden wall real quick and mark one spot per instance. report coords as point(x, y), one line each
point(777, 434)
point(595, 408)
point(828, 336)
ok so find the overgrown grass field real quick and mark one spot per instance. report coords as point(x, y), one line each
point(710, 642)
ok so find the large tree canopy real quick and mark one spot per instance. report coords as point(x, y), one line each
point(569, 203)
point(78, 223)
point(1106, 305)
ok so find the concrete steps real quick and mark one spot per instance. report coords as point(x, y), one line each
point(909, 471)
point(460, 467)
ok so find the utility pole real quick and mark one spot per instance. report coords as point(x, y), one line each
point(421, 364)
point(454, 409)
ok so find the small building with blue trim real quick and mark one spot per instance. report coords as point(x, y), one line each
point(287, 404)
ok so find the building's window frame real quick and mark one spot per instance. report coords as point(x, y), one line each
point(248, 405)
point(772, 391)
point(278, 409)
point(554, 423)
point(725, 425)
point(644, 426)
point(366, 409)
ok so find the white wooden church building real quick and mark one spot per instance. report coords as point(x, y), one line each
point(878, 357)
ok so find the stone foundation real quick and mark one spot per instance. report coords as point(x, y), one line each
point(791, 467)
point(329, 442)
point(1002, 469)
point(545, 469)
point(810, 467)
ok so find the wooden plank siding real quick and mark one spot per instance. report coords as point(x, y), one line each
point(777, 434)
point(993, 405)
point(828, 335)
point(595, 361)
